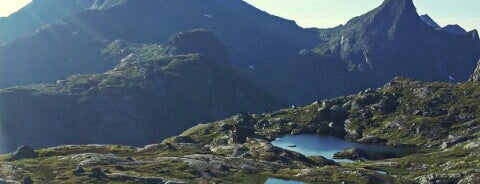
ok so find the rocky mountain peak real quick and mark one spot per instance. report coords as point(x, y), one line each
point(398, 11)
point(403, 4)
point(388, 14)
point(454, 29)
point(198, 41)
point(429, 21)
point(474, 34)
point(368, 35)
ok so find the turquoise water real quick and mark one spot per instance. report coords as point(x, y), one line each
point(280, 181)
point(326, 146)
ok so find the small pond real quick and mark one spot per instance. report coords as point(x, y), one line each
point(326, 146)
point(280, 181)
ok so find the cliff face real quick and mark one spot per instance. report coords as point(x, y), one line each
point(369, 51)
point(429, 21)
point(476, 74)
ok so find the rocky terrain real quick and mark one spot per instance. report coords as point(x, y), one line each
point(154, 92)
point(440, 120)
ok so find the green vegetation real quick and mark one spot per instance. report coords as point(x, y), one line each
point(437, 118)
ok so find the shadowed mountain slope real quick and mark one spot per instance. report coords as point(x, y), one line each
point(372, 49)
point(251, 36)
point(148, 96)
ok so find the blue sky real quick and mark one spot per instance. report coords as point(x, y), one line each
point(329, 13)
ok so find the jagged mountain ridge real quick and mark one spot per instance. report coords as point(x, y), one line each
point(250, 35)
point(386, 42)
point(454, 29)
point(428, 20)
point(151, 94)
point(375, 40)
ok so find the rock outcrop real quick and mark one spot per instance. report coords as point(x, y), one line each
point(199, 41)
point(476, 74)
point(351, 154)
point(24, 152)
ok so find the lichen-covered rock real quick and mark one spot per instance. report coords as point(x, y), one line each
point(470, 179)
point(439, 178)
point(453, 141)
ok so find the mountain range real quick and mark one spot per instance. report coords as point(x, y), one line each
point(370, 50)
point(111, 71)
point(73, 45)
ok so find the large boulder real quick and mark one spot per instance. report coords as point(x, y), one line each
point(351, 154)
point(24, 152)
point(27, 180)
point(243, 127)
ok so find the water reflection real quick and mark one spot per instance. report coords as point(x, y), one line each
point(326, 146)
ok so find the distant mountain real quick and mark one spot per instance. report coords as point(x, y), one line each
point(36, 14)
point(428, 20)
point(391, 40)
point(455, 29)
point(74, 45)
point(150, 95)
